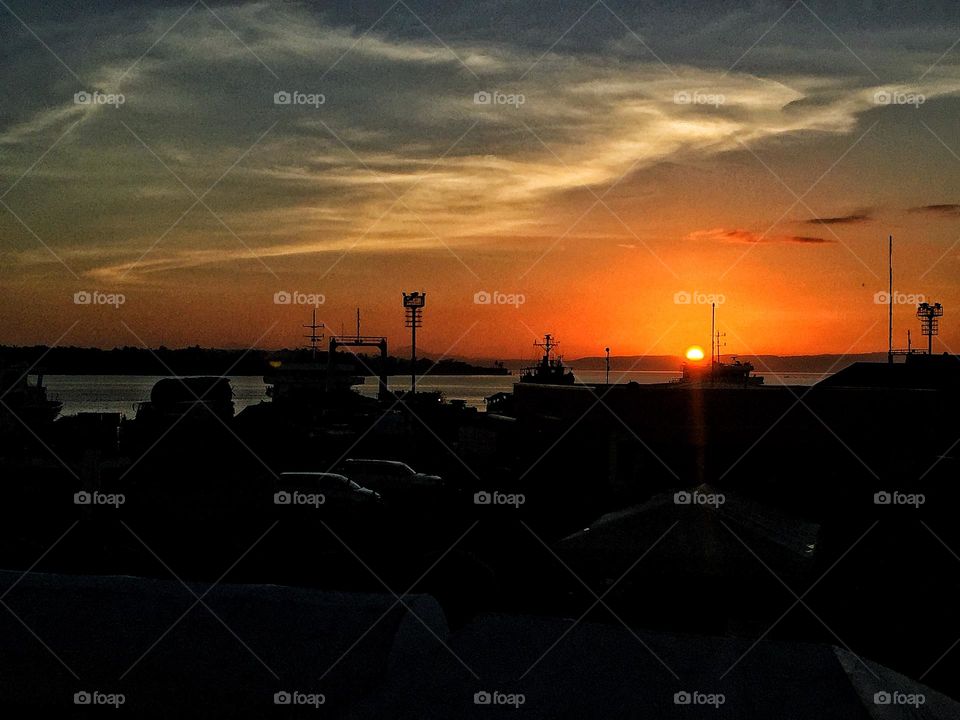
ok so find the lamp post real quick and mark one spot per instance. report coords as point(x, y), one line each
point(608, 366)
point(413, 303)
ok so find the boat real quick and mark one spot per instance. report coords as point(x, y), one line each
point(550, 370)
point(730, 374)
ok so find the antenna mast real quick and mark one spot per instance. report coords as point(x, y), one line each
point(713, 327)
point(890, 301)
point(314, 337)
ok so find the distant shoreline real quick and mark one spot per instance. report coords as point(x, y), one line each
point(210, 361)
point(213, 361)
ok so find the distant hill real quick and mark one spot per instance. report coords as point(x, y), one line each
point(211, 361)
point(762, 363)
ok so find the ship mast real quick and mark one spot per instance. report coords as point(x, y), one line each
point(548, 345)
point(713, 327)
point(890, 301)
point(314, 337)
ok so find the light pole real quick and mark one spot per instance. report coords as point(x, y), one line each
point(608, 366)
point(413, 303)
point(930, 314)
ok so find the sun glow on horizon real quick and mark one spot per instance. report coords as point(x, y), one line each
point(694, 353)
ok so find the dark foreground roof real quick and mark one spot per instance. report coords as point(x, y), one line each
point(371, 656)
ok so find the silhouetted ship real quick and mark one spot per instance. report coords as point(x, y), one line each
point(550, 370)
point(732, 374)
point(308, 382)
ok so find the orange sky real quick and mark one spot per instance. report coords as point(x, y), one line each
point(619, 185)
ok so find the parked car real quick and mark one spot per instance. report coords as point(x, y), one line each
point(390, 477)
point(333, 486)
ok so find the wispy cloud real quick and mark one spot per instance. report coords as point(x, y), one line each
point(853, 219)
point(399, 129)
point(740, 235)
point(944, 210)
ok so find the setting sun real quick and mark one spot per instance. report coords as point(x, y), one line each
point(695, 353)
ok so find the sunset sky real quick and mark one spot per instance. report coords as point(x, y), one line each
point(633, 157)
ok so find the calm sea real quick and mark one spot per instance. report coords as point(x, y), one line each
point(121, 393)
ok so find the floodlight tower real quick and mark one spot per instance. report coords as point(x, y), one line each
point(413, 303)
point(930, 314)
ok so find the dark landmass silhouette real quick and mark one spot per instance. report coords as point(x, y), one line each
point(211, 361)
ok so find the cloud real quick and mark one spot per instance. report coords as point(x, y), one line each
point(945, 210)
point(751, 237)
point(806, 239)
point(853, 219)
point(399, 156)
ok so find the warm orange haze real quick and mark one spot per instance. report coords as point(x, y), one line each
point(609, 199)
